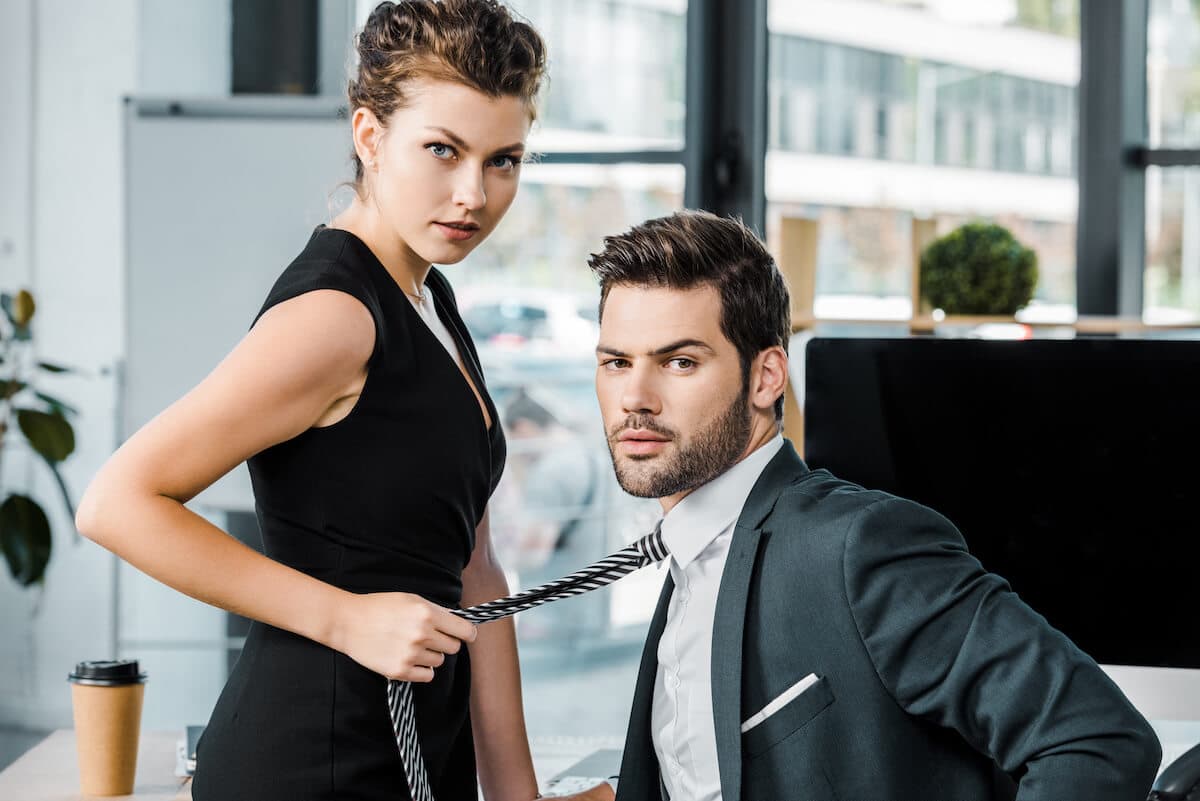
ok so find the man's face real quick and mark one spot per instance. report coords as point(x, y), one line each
point(671, 390)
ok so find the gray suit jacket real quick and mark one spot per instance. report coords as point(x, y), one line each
point(935, 681)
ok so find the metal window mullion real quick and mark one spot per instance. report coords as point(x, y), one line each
point(1164, 157)
point(1110, 244)
point(726, 106)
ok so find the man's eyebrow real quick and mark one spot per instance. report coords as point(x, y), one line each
point(683, 343)
point(674, 346)
point(458, 141)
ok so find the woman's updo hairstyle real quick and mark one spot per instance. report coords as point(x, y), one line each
point(474, 42)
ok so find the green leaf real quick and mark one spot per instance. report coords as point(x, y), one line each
point(55, 368)
point(49, 434)
point(11, 387)
point(23, 307)
point(66, 495)
point(25, 539)
point(8, 305)
point(60, 407)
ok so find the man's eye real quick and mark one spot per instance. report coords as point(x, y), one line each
point(614, 364)
point(683, 363)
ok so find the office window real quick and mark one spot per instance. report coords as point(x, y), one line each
point(1172, 277)
point(531, 305)
point(1172, 280)
point(951, 111)
point(608, 153)
point(1173, 73)
point(616, 73)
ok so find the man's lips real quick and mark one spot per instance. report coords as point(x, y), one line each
point(648, 436)
point(641, 443)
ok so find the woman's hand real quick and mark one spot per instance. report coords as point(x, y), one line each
point(398, 635)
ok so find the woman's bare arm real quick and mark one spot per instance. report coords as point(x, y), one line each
point(302, 363)
point(497, 716)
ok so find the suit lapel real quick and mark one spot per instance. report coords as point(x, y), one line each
point(730, 619)
point(639, 764)
point(727, 658)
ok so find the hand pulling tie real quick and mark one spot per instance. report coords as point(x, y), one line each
point(646, 551)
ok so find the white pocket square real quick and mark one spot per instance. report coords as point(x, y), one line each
point(780, 702)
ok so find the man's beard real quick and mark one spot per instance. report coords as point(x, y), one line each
point(708, 454)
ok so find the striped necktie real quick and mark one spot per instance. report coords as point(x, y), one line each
point(646, 551)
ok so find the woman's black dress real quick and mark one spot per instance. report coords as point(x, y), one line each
point(385, 500)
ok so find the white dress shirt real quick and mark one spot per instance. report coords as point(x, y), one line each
point(698, 532)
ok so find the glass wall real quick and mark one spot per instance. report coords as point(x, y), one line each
point(616, 73)
point(882, 113)
point(1172, 278)
point(616, 84)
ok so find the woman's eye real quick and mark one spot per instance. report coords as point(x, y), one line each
point(440, 150)
point(505, 162)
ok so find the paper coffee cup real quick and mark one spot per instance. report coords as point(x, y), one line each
point(107, 701)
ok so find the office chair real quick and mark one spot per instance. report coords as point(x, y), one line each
point(1181, 779)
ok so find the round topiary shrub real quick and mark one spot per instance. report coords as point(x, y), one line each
point(978, 268)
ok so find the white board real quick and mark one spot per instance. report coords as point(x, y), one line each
point(220, 195)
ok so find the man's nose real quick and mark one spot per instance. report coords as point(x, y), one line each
point(639, 396)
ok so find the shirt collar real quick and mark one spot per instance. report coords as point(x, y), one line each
point(695, 522)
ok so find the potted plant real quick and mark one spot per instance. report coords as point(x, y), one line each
point(24, 528)
point(978, 268)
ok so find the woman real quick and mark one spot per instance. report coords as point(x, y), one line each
point(372, 444)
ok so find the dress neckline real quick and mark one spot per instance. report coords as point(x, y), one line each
point(441, 307)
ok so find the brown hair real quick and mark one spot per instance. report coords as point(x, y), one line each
point(696, 248)
point(474, 42)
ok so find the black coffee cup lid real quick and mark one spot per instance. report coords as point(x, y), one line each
point(107, 673)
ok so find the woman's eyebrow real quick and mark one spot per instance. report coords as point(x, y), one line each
point(461, 144)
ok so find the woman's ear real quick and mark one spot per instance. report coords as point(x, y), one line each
point(768, 378)
point(367, 132)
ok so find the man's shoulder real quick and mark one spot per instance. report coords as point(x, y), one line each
point(820, 512)
point(818, 496)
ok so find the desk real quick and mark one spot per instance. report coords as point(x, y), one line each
point(50, 771)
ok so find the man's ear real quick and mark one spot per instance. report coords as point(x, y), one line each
point(768, 378)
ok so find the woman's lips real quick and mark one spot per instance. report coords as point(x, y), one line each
point(455, 232)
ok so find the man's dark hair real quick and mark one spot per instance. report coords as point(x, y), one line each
point(689, 249)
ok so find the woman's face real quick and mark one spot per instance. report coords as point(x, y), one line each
point(445, 168)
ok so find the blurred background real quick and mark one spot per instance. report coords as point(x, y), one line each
point(141, 140)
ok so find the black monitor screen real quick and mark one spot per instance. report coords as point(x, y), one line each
point(1072, 468)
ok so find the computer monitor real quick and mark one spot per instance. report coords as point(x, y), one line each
point(1071, 467)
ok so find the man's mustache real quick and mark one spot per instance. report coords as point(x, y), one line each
point(640, 422)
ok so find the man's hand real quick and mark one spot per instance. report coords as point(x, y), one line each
point(601, 792)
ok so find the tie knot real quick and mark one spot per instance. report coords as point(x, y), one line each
point(651, 547)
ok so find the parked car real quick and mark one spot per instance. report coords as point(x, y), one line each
point(542, 320)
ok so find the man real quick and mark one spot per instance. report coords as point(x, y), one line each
point(814, 640)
